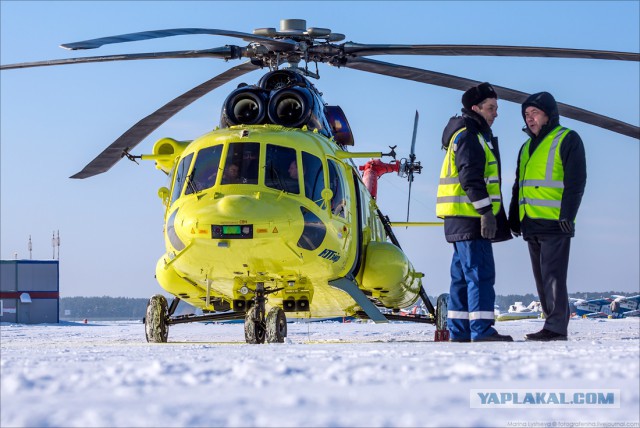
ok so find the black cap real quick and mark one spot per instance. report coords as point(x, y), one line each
point(477, 94)
point(543, 101)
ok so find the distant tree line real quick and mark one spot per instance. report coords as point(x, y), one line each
point(96, 308)
point(114, 308)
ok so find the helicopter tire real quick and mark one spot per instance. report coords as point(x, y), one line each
point(441, 311)
point(156, 328)
point(254, 329)
point(276, 326)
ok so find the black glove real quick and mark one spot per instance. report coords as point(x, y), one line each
point(566, 225)
point(488, 225)
point(514, 225)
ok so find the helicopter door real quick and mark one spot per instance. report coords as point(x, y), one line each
point(340, 198)
point(181, 177)
point(341, 215)
point(313, 174)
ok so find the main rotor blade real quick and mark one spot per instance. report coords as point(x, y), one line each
point(283, 45)
point(485, 50)
point(225, 52)
point(127, 141)
point(462, 84)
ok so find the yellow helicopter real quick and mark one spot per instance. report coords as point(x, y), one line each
point(268, 215)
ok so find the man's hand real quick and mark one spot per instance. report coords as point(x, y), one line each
point(488, 225)
point(514, 225)
point(566, 225)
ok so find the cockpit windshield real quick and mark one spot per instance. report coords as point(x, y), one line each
point(205, 170)
point(181, 176)
point(281, 169)
point(241, 165)
point(285, 169)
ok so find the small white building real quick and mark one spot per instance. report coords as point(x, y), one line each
point(29, 291)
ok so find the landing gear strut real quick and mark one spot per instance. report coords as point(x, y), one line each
point(254, 322)
point(258, 326)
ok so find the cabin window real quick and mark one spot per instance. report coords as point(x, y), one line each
point(281, 169)
point(205, 169)
point(337, 185)
point(241, 165)
point(181, 176)
point(313, 174)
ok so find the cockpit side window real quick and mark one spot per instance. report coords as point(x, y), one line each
point(181, 176)
point(205, 169)
point(313, 174)
point(339, 200)
point(241, 165)
point(281, 169)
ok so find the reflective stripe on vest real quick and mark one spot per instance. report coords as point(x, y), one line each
point(541, 179)
point(452, 199)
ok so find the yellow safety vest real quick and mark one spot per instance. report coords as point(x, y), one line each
point(452, 199)
point(541, 178)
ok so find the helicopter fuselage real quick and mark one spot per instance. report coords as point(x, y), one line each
point(264, 204)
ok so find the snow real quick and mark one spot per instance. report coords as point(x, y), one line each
point(326, 374)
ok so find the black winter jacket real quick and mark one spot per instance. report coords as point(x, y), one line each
point(575, 177)
point(470, 161)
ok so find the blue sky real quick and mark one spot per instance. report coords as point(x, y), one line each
point(54, 120)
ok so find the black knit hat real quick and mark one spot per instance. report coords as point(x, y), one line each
point(543, 101)
point(477, 94)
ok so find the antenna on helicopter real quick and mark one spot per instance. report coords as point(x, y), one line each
point(30, 247)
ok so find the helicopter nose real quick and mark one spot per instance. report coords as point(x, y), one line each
point(232, 205)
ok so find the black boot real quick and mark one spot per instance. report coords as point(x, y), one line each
point(545, 336)
point(495, 337)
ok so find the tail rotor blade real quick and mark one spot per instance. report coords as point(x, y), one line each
point(412, 155)
point(412, 158)
point(409, 199)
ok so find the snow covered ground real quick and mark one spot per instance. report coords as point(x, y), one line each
point(325, 375)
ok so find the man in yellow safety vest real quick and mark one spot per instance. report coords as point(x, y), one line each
point(470, 201)
point(550, 181)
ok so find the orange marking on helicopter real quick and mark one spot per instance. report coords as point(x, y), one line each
point(203, 231)
point(261, 230)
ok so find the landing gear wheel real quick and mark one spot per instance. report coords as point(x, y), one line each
point(156, 328)
point(254, 328)
point(276, 326)
point(441, 311)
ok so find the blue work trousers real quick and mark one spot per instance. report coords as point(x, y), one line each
point(471, 296)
